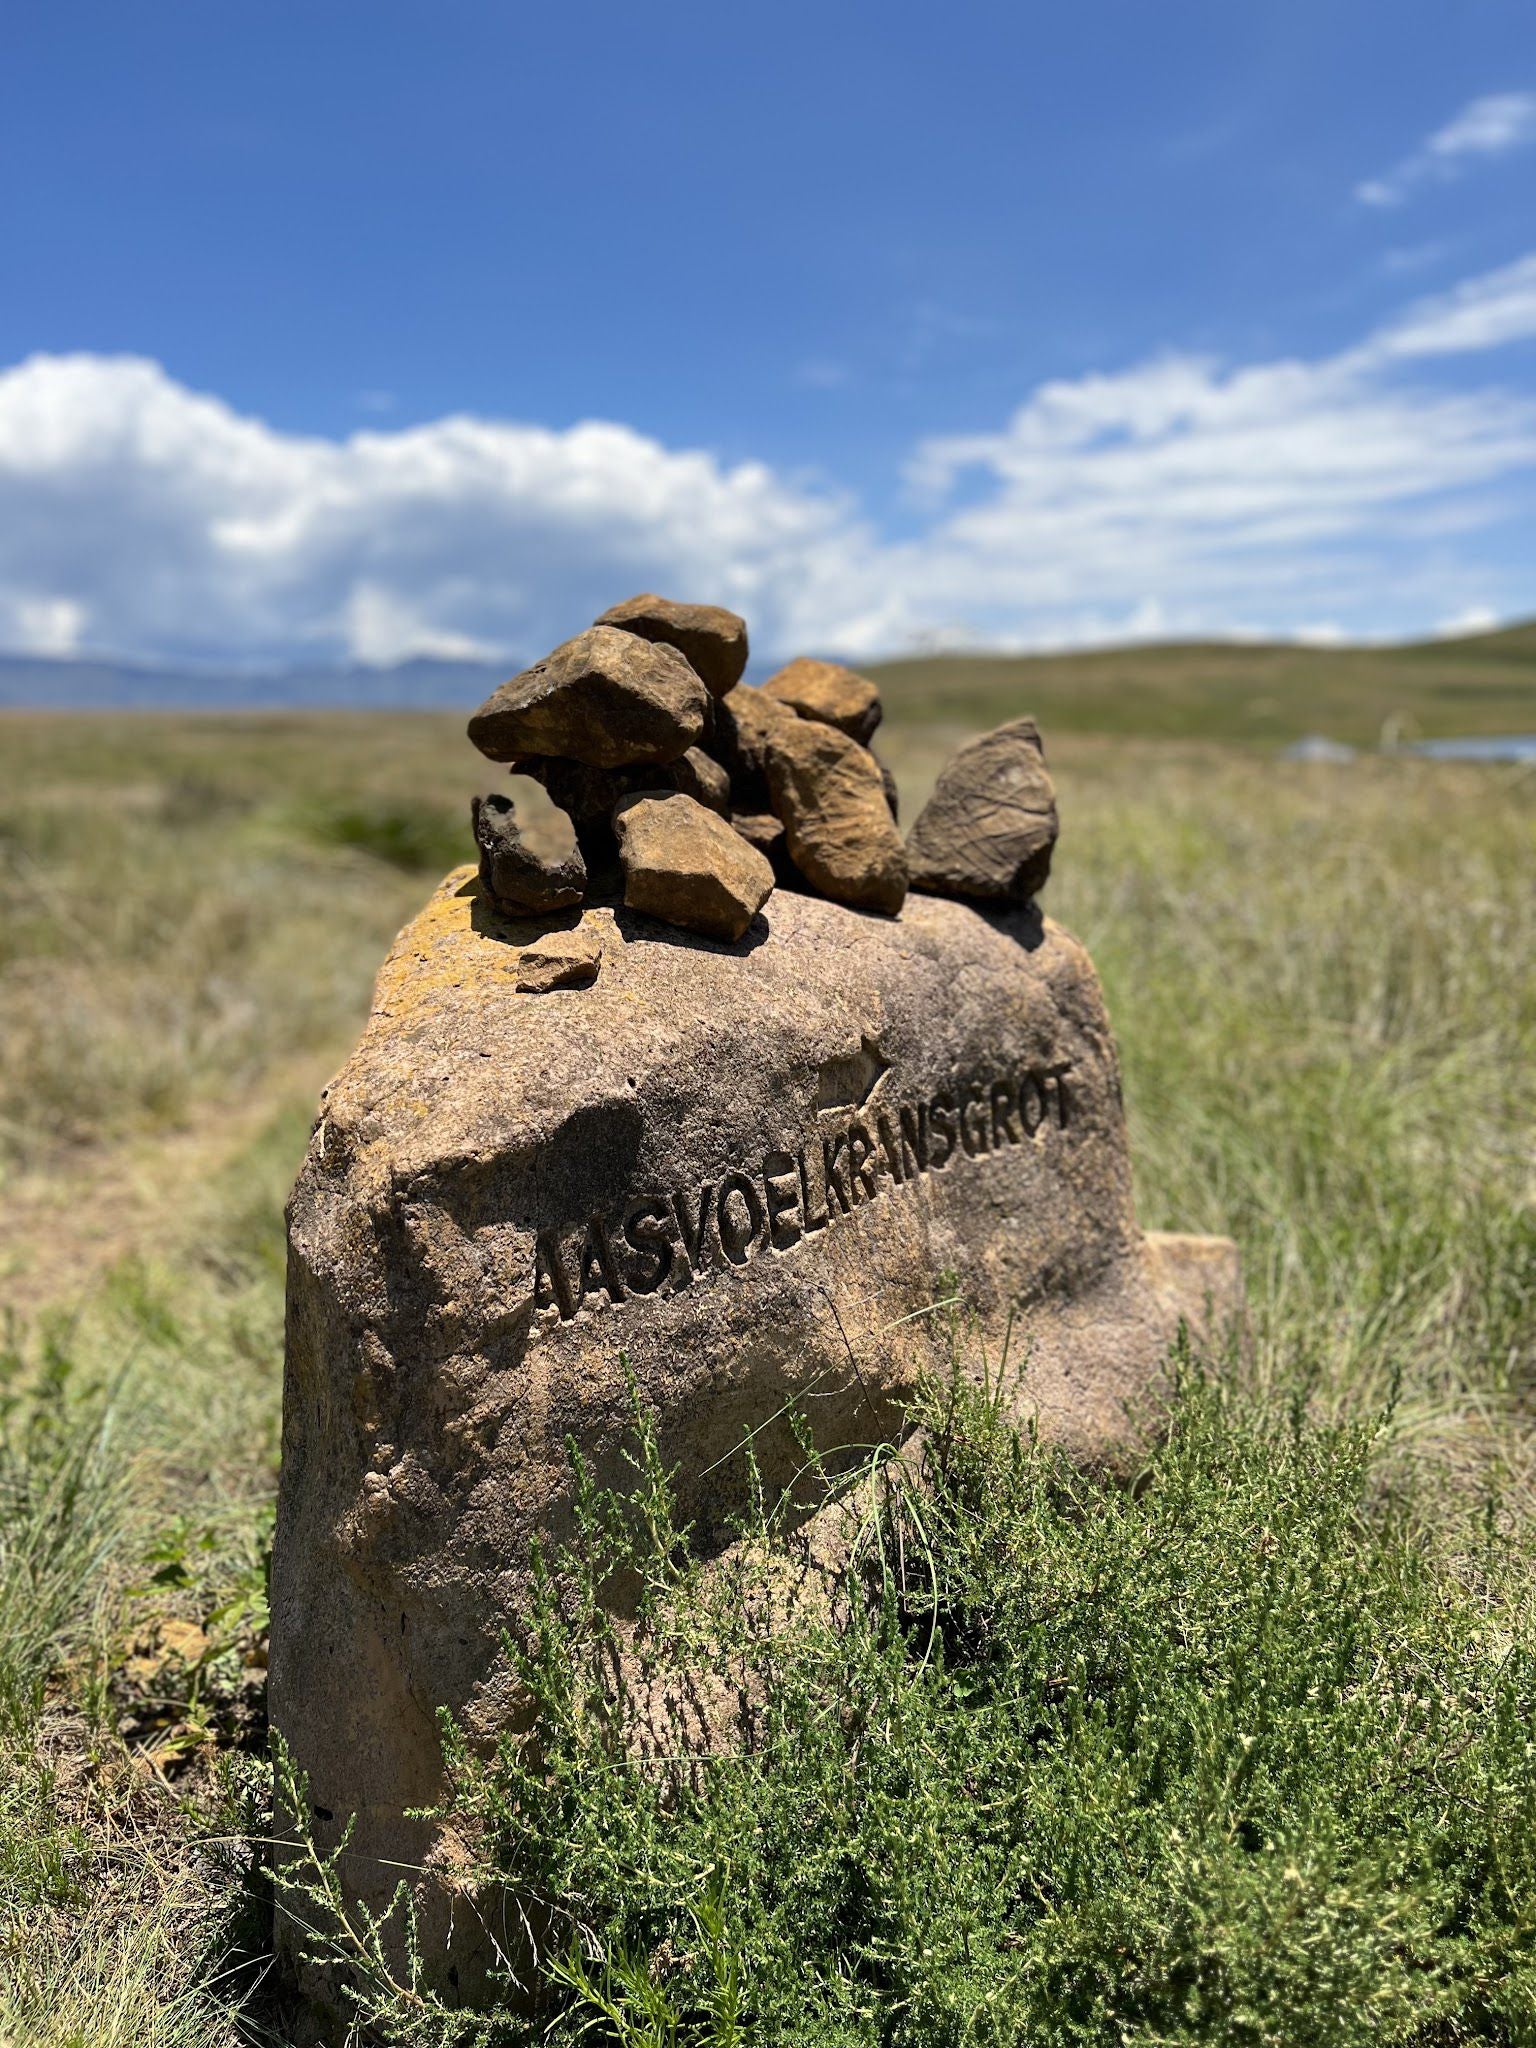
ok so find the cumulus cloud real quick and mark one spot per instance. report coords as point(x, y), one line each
point(1487, 127)
point(1178, 495)
point(185, 530)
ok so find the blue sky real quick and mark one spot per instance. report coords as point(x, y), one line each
point(337, 331)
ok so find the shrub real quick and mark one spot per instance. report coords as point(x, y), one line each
point(1235, 1753)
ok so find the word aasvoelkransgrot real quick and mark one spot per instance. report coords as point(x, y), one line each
point(791, 1196)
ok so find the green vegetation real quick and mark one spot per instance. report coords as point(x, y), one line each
point(1106, 1727)
point(1238, 1754)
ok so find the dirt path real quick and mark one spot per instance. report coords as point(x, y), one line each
point(61, 1230)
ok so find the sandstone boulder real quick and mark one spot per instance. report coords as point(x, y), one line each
point(829, 693)
point(712, 640)
point(830, 794)
point(989, 828)
point(519, 877)
point(606, 698)
point(560, 959)
point(686, 865)
point(739, 1179)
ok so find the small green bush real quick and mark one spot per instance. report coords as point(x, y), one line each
point(1237, 1753)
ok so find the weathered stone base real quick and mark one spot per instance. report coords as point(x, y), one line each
point(738, 1171)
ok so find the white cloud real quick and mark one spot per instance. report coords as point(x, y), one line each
point(1485, 312)
point(48, 625)
point(1177, 496)
point(1487, 127)
point(1472, 618)
point(185, 530)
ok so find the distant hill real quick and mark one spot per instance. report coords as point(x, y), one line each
point(1485, 683)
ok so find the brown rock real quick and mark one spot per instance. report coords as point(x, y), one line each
point(739, 1181)
point(713, 641)
point(516, 876)
point(588, 794)
point(684, 864)
point(892, 793)
point(760, 829)
point(606, 698)
point(988, 830)
point(702, 778)
point(560, 959)
point(829, 693)
point(745, 720)
point(841, 835)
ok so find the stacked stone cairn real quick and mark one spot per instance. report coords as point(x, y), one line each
point(690, 795)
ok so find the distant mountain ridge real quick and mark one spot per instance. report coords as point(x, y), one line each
point(50, 683)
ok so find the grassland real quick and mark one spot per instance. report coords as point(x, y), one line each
point(1324, 982)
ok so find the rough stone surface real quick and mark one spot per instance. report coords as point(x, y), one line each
point(841, 835)
point(712, 640)
point(586, 794)
point(760, 829)
point(606, 698)
point(829, 693)
point(739, 1158)
point(988, 830)
point(589, 794)
point(560, 959)
point(686, 865)
point(892, 793)
point(745, 722)
point(517, 876)
point(698, 775)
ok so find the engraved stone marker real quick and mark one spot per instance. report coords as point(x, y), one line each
point(731, 1165)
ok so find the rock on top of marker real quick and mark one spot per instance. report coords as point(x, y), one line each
point(829, 693)
point(516, 876)
point(686, 865)
point(711, 639)
point(989, 828)
point(831, 796)
point(606, 698)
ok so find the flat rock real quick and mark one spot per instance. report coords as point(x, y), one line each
point(685, 864)
point(516, 876)
point(712, 640)
point(829, 693)
point(606, 698)
point(987, 832)
point(841, 836)
point(560, 959)
point(738, 1175)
